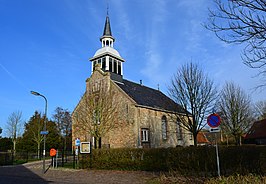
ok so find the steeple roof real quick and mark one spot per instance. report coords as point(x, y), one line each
point(107, 27)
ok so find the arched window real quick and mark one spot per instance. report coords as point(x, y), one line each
point(107, 42)
point(179, 132)
point(164, 127)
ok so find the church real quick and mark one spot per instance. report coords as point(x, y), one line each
point(116, 113)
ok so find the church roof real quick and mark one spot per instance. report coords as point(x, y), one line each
point(105, 51)
point(149, 97)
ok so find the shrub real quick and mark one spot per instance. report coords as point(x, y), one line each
point(184, 160)
point(237, 178)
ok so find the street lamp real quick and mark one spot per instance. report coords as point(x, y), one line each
point(44, 128)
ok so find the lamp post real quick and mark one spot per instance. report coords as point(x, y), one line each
point(44, 128)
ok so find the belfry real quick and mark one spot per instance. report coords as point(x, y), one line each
point(108, 57)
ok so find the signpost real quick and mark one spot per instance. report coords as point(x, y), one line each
point(77, 144)
point(214, 122)
point(83, 148)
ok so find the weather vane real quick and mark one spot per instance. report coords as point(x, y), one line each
point(107, 2)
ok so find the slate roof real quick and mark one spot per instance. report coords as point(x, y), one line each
point(107, 28)
point(257, 130)
point(149, 97)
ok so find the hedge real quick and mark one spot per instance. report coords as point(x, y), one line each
point(185, 160)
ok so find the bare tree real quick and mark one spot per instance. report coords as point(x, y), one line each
point(97, 113)
point(235, 109)
point(242, 22)
point(14, 124)
point(67, 128)
point(63, 120)
point(195, 92)
point(260, 109)
point(58, 118)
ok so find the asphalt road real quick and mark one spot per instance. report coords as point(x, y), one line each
point(32, 174)
point(19, 175)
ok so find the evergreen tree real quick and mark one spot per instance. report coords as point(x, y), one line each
point(32, 140)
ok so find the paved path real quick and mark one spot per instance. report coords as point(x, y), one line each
point(32, 173)
point(19, 175)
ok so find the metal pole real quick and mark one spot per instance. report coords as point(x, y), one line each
point(44, 129)
point(90, 153)
point(56, 158)
point(217, 157)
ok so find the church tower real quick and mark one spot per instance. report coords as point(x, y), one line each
point(107, 57)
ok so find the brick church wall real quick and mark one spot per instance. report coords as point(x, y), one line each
point(132, 118)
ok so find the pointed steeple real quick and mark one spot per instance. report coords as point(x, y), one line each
point(107, 27)
point(107, 39)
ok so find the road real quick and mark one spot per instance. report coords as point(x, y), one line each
point(32, 174)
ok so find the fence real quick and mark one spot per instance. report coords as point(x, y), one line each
point(9, 158)
point(6, 158)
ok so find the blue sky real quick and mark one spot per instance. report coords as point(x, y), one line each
point(45, 47)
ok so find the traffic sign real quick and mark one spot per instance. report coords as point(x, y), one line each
point(44, 132)
point(77, 142)
point(214, 130)
point(214, 120)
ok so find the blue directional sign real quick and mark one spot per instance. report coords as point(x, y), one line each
point(214, 120)
point(44, 132)
point(77, 142)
